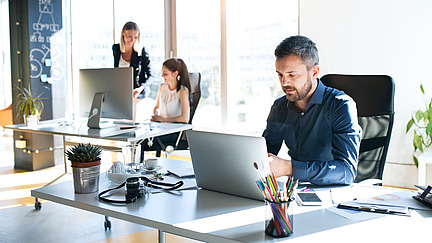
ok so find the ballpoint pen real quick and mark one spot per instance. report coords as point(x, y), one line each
point(372, 209)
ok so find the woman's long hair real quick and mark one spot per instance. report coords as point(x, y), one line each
point(177, 64)
point(130, 26)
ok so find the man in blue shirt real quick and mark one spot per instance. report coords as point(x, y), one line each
point(317, 123)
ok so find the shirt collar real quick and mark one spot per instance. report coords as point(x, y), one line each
point(317, 96)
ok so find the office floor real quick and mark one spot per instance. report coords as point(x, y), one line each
point(20, 222)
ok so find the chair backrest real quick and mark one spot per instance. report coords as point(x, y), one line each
point(194, 94)
point(6, 116)
point(374, 95)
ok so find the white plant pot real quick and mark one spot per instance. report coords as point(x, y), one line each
point(424, 160)
point(31, 120)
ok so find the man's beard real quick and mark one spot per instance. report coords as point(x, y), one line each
point(298, 94)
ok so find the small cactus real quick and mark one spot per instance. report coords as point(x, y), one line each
point(84, 153)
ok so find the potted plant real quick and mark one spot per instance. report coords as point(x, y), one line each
point(421, 123)
point(85, 161)
point(29, 106)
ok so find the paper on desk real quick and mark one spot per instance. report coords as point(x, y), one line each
point(397, 198)
point(354, 215)
point(342, 194)
point(142, 129)
point(372, 195)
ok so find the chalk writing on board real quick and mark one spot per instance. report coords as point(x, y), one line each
point(46, 41)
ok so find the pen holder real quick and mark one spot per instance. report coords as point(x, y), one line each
point(279, 218)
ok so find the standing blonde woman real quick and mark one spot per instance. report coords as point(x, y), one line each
point(126, 55)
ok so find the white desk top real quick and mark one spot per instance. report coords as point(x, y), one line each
point(79, 128)
point(215, 217)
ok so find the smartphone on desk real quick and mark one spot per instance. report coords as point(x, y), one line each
point(308, 199)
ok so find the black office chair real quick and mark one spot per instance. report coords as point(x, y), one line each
point(181, 142)
point(374, 95)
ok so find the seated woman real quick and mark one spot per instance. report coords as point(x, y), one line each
point(172, 102)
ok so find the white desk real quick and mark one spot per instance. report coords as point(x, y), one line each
point(79, 129)
point(215, 217)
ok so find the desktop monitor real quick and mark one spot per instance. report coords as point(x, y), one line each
point(105, 93)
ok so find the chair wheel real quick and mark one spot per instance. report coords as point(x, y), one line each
point(107, 224)
point(38, 205)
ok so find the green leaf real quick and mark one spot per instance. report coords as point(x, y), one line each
point(428, 114)
point(429, 128)
point(84, 153)
point(421, 88)
point(409, 125)
point(418, 142)
point(27, 103)
point(415, 161)
point(419, 115)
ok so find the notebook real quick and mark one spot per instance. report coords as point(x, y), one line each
point(183, 172)
point(225, 162)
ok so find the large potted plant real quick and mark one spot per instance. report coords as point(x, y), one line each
point(421, 123)
point(85, 161)
point(29, 106)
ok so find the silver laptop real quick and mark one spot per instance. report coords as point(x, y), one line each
point(225, 162)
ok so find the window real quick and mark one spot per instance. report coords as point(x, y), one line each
point(5, 74)
point(253, 30)
point(198, 44)
point(252, 36)
point(92, 33)
point(95, 32)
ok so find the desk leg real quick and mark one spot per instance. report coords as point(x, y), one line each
point(162, 236)
point(107, 223)
point(64, 154)
point(38, 204)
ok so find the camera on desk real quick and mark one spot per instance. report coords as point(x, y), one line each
point(133, 189)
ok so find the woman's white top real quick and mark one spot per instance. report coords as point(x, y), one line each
point(169, 101)
point(123, 63)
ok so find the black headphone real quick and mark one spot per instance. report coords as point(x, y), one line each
point(133, 191)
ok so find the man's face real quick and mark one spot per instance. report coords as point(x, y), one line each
point(296, 81)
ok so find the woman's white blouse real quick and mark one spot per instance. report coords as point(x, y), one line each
point(169, 101)
point(123, 63)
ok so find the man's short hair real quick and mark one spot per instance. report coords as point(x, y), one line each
point(300, 46)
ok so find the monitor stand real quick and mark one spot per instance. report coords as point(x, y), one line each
point(94, 119)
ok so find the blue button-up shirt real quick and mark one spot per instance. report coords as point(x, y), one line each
point(323, 140)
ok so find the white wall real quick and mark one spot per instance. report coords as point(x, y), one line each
point(390, 37)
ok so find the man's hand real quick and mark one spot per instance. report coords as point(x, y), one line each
point(279, 166)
